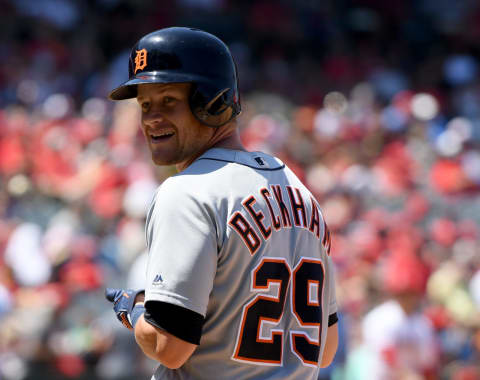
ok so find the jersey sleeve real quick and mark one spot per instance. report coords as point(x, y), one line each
point(332, 305)
point(182, 242)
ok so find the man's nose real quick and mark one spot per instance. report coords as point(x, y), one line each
point(153, 117)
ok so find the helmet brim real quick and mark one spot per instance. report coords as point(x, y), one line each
point(128, 89)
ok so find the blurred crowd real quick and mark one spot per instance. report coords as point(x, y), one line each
point(374, 104)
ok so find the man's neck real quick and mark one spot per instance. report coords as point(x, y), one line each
point(231, 141)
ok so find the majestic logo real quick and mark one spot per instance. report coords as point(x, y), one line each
point(140, 60)
point(158, 278)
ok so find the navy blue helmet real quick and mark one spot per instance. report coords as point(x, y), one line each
point(181, 55)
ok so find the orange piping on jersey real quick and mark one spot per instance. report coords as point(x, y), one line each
point(297, 207)
point(299, 319)
point(275, 219)
point(312, 303)
point(259, 339)
point(326, 238)
point(293, 336)
point(315, 219)
point(269, 298)
point(247, 233)
point(297, 267)
point(277, 192)
point(257, 216)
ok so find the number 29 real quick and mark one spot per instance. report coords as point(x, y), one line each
point(308, 277)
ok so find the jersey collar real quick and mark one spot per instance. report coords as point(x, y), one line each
point(256, 160)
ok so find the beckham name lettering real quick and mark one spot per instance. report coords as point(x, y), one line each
point(297, 215)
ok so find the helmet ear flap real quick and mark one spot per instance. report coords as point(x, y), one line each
point(213, 109)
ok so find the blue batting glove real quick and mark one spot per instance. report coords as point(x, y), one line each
point(123, 304)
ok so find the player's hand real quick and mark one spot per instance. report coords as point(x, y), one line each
point(123, 303)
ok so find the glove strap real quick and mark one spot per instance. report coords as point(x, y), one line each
point(137, 311)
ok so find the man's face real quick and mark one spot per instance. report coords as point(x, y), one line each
point(173, 134)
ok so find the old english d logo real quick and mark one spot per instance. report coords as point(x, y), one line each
point(140, 60)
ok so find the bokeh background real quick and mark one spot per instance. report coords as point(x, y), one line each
point(374, 104)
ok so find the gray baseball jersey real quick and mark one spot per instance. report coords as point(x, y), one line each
point(237, 238)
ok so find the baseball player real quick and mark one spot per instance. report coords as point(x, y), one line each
point(239, 281)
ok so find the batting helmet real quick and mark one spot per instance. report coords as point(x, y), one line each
point(180, 55)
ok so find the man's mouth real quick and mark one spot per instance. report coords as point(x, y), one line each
point(161, 136)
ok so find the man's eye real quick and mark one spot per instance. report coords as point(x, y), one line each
point(168, 100)
point(145, 106)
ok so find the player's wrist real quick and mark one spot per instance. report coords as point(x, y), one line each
point(140, 298)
